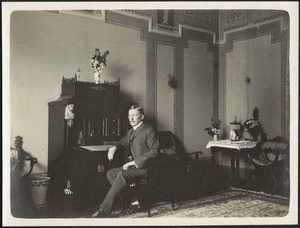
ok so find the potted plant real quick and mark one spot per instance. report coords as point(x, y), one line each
point(214, 130)
point(98, 61)
point(253, 126)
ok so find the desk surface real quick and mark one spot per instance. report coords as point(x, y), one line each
point(96, 147)
point(232, 144)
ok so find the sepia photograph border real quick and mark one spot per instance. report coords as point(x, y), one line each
point(291, 7)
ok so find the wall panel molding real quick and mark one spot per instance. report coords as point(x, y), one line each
point(199, 36)
point(279, 33)
point(219, 29)
point(272, 29)
point(285, 86)
point(151, 82)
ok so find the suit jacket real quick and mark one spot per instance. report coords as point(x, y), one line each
point(144, 144)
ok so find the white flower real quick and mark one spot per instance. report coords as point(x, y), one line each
point(216, 131)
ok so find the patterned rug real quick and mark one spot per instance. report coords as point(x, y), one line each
point(229, 203)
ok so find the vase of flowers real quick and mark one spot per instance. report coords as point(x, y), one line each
point(98, 61)
point(253, 126)
point(214, 130)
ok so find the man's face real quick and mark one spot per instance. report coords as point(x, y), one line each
point(134, 117)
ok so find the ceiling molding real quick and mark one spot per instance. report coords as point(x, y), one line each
point(93, 14)
point(219, 23)
point(153, 26)
point(253, 25)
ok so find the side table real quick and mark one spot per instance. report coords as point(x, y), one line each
point(233, 148)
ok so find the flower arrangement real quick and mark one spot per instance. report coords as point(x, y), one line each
point(252, 125)
point(214, 129)
point(98, 60)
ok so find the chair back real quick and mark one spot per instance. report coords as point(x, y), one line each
point(167, 143)
point(275, 146)
point(278, 143)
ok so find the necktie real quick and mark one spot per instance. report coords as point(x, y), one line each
point(130, 157)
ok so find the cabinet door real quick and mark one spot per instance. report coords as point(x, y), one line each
point(99, 129)
point(93, 184)
point(112, 128)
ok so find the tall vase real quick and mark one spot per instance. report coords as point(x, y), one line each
point(215, 137)
point(97, 76)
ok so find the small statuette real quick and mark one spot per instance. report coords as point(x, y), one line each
point(69, 114)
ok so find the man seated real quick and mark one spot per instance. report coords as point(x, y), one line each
point(142, 143)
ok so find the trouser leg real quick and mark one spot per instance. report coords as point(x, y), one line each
point(119, 178)
point(112, 174)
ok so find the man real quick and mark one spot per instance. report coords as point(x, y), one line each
point(143, 145)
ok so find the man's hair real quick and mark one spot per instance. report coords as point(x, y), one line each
point(138, 108)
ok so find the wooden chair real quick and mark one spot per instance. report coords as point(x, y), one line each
point(265, 159)
point(163, 172)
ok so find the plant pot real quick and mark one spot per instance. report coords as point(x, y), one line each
point(215, 137)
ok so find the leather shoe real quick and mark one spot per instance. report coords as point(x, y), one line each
point(100, 214)
point(133, 208)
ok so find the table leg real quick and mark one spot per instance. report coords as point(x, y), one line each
point(232, 165)
point(213, 153)
point(237, 166)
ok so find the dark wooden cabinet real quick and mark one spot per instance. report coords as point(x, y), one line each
point(100, 116)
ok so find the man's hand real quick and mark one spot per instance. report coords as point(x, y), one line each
point(128, 164)
point(111, 152)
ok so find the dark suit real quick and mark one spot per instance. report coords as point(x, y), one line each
point(144, 144)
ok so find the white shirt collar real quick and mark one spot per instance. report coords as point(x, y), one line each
point(135, 127)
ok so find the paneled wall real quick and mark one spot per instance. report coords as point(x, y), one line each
point(198, 95)
point(259, 57)
point(165, 94)
point(46, 46)
point(260, 61)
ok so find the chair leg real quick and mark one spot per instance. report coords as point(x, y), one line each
point(250, 180)
point(172, 200)
point(271, 184)
point(173, 204)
